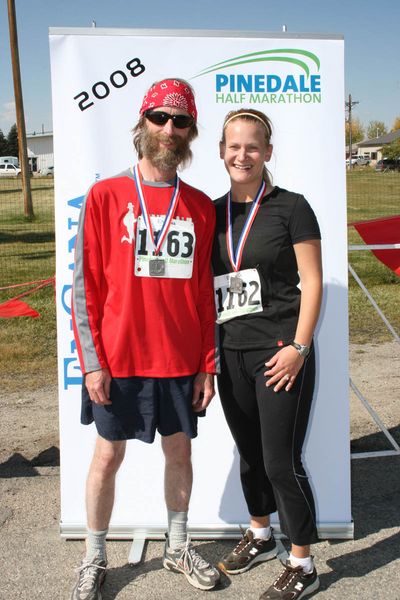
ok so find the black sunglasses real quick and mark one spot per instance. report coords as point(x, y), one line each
point(161, 118)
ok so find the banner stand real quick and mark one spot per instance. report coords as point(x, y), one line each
point(360, 396)
point(99, 77)
point(334, 531)
point(136, 551)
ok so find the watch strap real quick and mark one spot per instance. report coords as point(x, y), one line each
point(302, 349)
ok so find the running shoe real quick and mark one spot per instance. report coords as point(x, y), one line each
point(292, 584)
point(248, 552)
point(92, 574)
point(199, 573)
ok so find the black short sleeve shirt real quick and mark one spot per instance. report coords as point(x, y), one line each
point(283, 219)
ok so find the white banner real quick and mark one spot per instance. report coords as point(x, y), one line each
point(99, 78)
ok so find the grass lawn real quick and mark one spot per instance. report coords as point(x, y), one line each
point(27, 253)
point(372, 195)
point(28, 346)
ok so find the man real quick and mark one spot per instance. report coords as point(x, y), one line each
point(143, 314)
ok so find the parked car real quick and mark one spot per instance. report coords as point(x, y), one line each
point(8, 170)
point(362, 161)
point(388, 164)
point(48, 171)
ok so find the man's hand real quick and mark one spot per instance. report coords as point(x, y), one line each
point(98, 386)
point(203, 391)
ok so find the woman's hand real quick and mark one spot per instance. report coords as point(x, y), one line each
point(283, 368)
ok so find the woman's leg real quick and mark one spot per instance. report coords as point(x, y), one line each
point(284, 419)
point(239, 402)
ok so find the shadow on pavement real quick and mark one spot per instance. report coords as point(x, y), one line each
point(375, 495)
point(361, 562)
point(375, 441)
point(120, 577)
point(19, 466)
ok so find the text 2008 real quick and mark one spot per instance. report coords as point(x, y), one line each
point(118, 79)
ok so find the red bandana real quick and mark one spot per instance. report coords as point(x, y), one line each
point(170, 92)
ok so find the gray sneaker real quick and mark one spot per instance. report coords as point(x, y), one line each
point(92, 574)
point(197, 571)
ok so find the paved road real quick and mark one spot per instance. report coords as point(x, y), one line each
point(37, 565)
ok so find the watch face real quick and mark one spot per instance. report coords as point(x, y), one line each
point(301, 349)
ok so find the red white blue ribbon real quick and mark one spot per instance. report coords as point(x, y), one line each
point(157, 243)
point(235, 258)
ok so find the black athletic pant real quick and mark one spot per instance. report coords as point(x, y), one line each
point(269, 429)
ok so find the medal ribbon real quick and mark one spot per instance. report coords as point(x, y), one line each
point(157, 243)
point(235, 258)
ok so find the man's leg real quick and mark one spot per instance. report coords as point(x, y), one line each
point(179, 555)
point(178, 471)
point(177, 485)
point(100, 487)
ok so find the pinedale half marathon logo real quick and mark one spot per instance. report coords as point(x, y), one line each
point(304, 86)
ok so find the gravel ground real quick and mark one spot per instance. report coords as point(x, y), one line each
point(37, 564)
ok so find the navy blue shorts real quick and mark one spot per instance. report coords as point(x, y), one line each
point(142, 405)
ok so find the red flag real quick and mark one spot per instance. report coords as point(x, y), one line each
point(16, 308)
point(382, 231)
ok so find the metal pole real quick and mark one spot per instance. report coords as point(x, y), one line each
point(350, 105)
point(19, 108)
point(350, 136)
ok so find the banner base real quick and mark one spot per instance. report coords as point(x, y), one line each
point(338, 531)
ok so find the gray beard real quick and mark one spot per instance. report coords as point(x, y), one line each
point(164, 159)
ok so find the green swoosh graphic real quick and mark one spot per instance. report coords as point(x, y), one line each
point(264, 59)
point(233, 61)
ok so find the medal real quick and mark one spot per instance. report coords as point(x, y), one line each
point(235, 257)
point(157, 264)
point(235, 284)
point(156, 267)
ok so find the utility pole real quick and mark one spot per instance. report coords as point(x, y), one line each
point(19, 108)
point(349, 106)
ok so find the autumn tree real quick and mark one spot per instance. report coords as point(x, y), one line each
point(12, 141)
point(396, 124)
point(357, 131)
point(376, 129)
point(392, 150)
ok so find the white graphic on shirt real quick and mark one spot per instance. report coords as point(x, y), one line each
point(129, 222)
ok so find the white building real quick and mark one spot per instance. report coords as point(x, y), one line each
point(40, 150)
point(373, 149)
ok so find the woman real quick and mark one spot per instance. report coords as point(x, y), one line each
point(266, 239)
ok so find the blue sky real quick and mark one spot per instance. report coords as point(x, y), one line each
point(370, 29)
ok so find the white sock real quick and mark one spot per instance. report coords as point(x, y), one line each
point(306, 563)
point(261, 533)
point(96, 544)
point(177, 529)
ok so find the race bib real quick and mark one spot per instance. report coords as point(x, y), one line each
point(175, 259)
point(237, 294)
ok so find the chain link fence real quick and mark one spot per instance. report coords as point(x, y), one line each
point(27, 247)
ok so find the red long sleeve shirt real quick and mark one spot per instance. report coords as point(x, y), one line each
point(142, 326)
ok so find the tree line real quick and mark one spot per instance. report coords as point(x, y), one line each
point(373, 130)
point(9, 144)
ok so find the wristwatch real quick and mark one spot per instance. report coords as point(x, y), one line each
point(302, 349)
